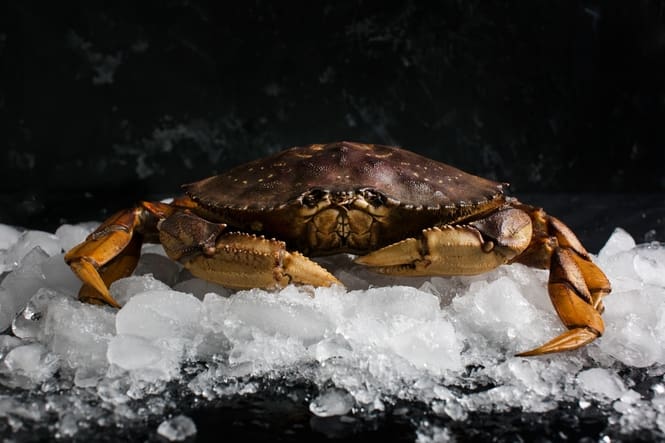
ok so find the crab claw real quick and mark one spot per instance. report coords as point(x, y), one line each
point(244, 261)
point(470, 249)
point(296, 268)
point(574, 302)
point(235, 259)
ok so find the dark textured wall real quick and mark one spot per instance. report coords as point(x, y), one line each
point(123, 100)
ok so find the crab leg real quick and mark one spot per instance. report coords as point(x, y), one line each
point(576, 285)
point(112, 250)
point(573, 303)
point(236, 260)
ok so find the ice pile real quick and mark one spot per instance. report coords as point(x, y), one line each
point(445, 342)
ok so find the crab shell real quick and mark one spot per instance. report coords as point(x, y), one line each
point(344, 197)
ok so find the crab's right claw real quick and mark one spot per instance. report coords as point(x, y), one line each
point(234, 259)
point(576, 287)
point(243, 261)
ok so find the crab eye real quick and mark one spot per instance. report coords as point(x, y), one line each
point(373, 197)
point(314, 197)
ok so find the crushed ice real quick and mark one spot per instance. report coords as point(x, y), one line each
point(177, 429)
point(445, 342)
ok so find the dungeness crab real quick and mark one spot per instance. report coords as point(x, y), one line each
point(401, 213)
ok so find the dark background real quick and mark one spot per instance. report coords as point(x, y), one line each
point(104, 103)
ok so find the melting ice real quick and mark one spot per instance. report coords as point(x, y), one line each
point(379, 340)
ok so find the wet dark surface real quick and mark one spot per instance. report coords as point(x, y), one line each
point(279, 412)
point(285, 420)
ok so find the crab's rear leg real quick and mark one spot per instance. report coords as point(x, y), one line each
point(112, 250)
point(576, 285)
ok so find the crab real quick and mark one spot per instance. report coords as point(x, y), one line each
point(400, 213)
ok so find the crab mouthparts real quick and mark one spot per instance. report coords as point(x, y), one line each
point(339, 227)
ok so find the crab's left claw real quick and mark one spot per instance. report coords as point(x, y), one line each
point(576, 285)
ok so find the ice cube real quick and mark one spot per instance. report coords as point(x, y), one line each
point(429, 345)
point(20, 285)
point(633, 328)
point(331, 402)
point(392, 301)
point(156, 329)
point(125, 288)
point(113, 389)
point(26, 242)
point(157, 314)
point(88, 377)
point(428, 433)
point(216, 312)
point(649, 264)
point(336, 346)
point(71, 235)
point(619, 241)
point(601, 383)
point(59, 276)
point(290, 313)
point(29, 323)
point(27, 365)
point(8, 236)
point(79, 333)
point(130, 352)
point(498, 313)
point(178, 428)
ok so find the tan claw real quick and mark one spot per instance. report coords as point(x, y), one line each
point(449, 250)
point(456, 249)
point(241, 261)
point(299, 269)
